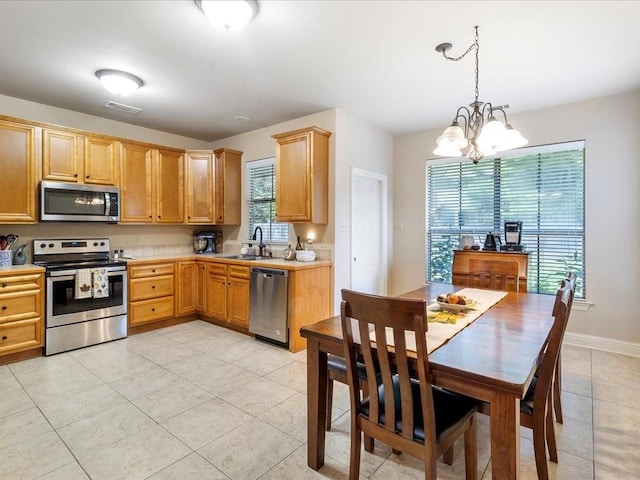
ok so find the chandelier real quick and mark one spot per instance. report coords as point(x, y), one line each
point(481, 131)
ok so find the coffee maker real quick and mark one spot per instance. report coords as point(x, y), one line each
point(512, 237)
point(207, 242)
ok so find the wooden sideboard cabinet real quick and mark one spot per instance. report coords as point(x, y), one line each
point(462, 259)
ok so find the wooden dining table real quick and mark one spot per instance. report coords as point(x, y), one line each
point(493, 359)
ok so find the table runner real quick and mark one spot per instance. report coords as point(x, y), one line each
point(440, 324)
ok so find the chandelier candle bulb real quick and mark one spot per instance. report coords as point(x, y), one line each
point(483, 133)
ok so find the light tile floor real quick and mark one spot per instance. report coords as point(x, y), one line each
point(196, 401)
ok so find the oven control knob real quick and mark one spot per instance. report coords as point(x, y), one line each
point(51, 245)
point(102, 244)
point(43, 245)
point(95, 244)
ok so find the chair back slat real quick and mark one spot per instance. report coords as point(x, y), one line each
point(387, 363)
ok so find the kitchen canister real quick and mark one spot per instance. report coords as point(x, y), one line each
point(19, 257)
point(5, 258)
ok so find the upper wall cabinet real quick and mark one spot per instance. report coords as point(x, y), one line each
point(18, 153)
point(228, 186)
point(302, 176)
point(151, 181)
point(214, 187)
point(72, 157)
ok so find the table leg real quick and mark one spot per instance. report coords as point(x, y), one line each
point(316, 404)
point(505, 437)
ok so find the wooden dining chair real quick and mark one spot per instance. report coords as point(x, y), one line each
point(536, 406)
point(403, 409)
point(493, 275)
point(557, 377)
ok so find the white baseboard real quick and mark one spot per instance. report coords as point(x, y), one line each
point(602, 343)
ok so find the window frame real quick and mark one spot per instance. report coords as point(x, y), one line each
point(538, 268)
point(267, 232)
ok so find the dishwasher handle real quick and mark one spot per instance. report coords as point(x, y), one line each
point(269, 272)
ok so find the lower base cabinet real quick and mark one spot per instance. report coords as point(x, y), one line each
point(21, 310)
point(151, 292)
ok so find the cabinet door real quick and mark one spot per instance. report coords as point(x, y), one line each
point(99, 161)
point(199, 188)
point(228, 186)
point(60, 156)
point(217, 296)
point(293, 171)
point(201, 287)
point(187, 288)
point(135, 184)
point(238, 297)
point(169, 178)
point(18, 179)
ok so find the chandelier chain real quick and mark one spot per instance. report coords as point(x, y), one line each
point(477, 45)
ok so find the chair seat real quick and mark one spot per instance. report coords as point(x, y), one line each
point(526, 404)
point(450, 409)
point(339, 364)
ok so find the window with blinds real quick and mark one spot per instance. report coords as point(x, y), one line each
point(543, 187)
point(262, 202)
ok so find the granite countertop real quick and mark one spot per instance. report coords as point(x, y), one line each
point(221, 257)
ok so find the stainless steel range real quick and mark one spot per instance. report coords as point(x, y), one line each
point(86, 293)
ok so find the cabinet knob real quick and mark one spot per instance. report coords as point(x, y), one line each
point(153, 271)
point(159, 216)
point(4, 307)
point(87, 176)
point(4, 285)
point(153, 309)
point(4, 337)
point(153, 286)
point(150, 216)
point(75, 175)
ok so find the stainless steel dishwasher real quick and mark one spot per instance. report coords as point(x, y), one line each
point(268, 313)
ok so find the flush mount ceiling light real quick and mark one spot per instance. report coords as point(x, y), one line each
point(483, 133)
point(229, 14)
point(120, 83)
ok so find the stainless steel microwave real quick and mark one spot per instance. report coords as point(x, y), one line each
point(69, 202)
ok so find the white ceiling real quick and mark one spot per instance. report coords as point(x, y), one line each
point(373, 59)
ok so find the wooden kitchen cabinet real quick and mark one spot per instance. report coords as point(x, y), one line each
point(227, 292)
point(201, 287)
point(199, 181)
point(21, 310)
point(18, 179)
point(74, 157)
point(216, 292)
point(302, 176)
point(187, 288)
point(152, 184)
point(228, 186)
point(238, 279)
point(100, 165)
point(61, 156)
point(214, 187)
point(151, 292)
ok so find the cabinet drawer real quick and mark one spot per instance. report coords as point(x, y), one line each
point(151, 287)
point(151, 270)
point(21, 335)
point(18, 283)
point(19, 306)
point(238, 271)
point(150, 310)
point(217, 269)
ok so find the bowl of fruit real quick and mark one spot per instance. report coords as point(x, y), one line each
point(455, 302)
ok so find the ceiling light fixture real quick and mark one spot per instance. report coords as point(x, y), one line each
point(120, 83)
point(482, 132)
point(229, 14)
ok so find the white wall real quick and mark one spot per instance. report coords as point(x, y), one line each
point(612, 173)
point(360, 145)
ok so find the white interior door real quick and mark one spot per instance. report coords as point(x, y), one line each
point(368, 232)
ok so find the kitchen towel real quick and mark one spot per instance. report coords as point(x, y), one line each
point(83, 284)
point(100, 283)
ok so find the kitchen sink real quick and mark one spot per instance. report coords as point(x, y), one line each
point(244, 257)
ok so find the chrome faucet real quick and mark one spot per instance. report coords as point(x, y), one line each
point(261, 246)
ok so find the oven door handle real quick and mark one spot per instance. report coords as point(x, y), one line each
point(61, 278)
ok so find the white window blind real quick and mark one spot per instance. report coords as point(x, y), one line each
point(543, 187)
point(262, 202)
